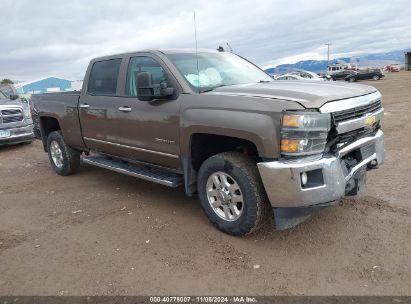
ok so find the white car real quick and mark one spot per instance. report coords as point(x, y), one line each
point(289, 77)
point(307, 75)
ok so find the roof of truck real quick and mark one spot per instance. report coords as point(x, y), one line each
point(164, 51)
point(187, 50)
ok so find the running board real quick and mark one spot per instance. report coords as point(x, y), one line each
point(150, 174)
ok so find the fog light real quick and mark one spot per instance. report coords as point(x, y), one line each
point(304, 178)
point(373, 164)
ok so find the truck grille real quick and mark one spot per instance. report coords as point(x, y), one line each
point(356, 112)
point(356, 134)
point(337, 141)
point(10, 116)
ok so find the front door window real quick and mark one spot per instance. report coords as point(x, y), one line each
point(144, 64)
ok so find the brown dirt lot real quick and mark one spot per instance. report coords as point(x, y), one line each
point(134, 237)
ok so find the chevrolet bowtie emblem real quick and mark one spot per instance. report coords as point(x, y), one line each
point(370, 120)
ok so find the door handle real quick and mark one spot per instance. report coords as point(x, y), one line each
point(84, 106)
point(124, 109)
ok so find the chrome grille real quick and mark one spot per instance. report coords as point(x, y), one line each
point(356, 134)
point(356, 112)
point(11, 116)
point(336, 141)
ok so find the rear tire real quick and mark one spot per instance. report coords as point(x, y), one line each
point(63, 159)
point(232, 194)
point(351, 79)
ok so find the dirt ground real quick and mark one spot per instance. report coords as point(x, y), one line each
point(103, 233)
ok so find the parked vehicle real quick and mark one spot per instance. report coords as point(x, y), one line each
point(289, 77)
point(336, 67)
point(341, 74)
point(16, 124)
point(307, 75)
point(392, 68)
point(220, 126)
point(364, 75)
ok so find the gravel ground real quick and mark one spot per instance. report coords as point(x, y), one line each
point(103, 233)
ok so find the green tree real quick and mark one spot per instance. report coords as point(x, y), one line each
point(6, 81)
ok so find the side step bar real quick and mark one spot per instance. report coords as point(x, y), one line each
point(150, 174)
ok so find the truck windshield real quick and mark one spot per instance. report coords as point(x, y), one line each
point(216, 70)
point(6, 90)
point(2, 96)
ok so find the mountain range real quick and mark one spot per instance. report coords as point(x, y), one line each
point(366, 60)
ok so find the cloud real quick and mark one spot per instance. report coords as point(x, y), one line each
point(43, 38)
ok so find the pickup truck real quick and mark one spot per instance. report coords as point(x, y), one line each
point(16, 124)
point(250, 147)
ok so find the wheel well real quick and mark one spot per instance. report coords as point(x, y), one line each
point(204, 146)
point(48, 125)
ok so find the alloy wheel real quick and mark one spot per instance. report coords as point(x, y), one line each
point(225, 196)
point(56, 154)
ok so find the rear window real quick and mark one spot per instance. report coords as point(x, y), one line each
point(103, 77)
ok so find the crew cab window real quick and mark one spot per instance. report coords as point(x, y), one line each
point(144, 64)
point(103, 77)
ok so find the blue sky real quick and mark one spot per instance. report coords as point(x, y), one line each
point(43, 38)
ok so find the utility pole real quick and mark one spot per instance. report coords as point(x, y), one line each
point(328, 53)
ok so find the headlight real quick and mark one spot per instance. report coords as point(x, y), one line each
point(304, 133)
point(27, 111)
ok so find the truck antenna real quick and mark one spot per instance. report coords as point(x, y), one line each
point(195, 38)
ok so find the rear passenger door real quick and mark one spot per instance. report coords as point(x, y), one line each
point(115, 121)
point(98, 106)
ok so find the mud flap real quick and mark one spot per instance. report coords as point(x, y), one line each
point(286, 218)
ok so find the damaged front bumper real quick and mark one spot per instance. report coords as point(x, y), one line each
point(327, 179)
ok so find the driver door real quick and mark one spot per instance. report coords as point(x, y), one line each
point(149, 130)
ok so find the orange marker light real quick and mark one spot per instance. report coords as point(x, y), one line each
point(290, 145)
point(291, 121)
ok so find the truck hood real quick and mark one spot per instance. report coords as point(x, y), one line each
point(8, 102)
point(309, 94)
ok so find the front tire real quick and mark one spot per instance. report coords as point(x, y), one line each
point(63, 159)
point(232, 194)
point(351, 79)
point(376, 77)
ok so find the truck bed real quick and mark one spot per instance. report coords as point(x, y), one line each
point(63, 106)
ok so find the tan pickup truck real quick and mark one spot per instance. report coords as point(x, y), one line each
point(247, 145)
